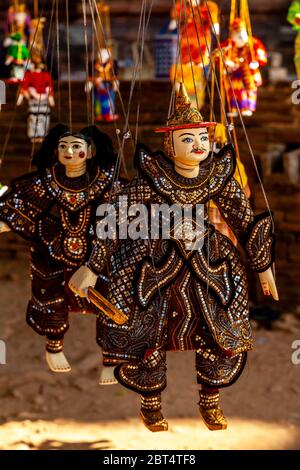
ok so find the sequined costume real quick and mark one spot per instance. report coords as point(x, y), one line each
point(56, 214)
point(179, 299)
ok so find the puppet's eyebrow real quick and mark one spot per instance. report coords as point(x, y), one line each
point(187, 133)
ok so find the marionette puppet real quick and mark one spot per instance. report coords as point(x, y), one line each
point(18, 20)
point(199, 21)
point(37, 89)
point(54, 209)
point(243, 58)
point(104, 84)
point(293, 17)
point(17, 57)
point(176, 297)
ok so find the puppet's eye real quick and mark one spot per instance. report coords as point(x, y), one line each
point(187, 140)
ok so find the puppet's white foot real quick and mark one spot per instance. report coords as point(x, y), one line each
point(57, 362)
point(107, 376)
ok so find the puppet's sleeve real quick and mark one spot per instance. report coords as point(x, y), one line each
point(111, 223)
point(260, 52)
point(255, 233)
point(24, 205)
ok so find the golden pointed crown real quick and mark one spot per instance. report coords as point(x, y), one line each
point(184, 116)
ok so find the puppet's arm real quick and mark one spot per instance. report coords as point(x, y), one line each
point(255, 233)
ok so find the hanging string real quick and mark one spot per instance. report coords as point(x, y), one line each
point(58, 60)
point(69, 64)
point(88, 100)
point(242, 122)
point(42, 85)
point(120, 158)
point(8, 134)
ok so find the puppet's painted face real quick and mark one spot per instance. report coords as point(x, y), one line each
point(72, 151)
point(20, 18)
point(240, 38)
point(191, 146)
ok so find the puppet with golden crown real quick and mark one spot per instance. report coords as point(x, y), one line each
point(18, 21)
point(187, 289)
point(243, 57)
point(199, 22)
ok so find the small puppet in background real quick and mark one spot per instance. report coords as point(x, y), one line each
point(199, 22)
point(104, 84)
point(244, 55)
point(18, 21)
point(17, 57)
point(293, 17)
point(37, 89)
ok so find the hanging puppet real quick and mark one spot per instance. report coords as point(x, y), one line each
point(18, 20)
point(185, 292)
point(198, 21)
point(17, 57)
point(54, 209)
point(37, 89)
point(244, 55)
point(294, 18)
point(104, 84)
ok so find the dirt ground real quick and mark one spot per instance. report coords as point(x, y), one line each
point(43, 410)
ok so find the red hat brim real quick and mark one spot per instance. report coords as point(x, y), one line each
point(185, 126)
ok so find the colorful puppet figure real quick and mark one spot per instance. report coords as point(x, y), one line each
point(294, 18)
point(18, 21)
point(199, 21)
point(37, 88)
point(105, 84)
point(244, 56)
point(54, 209)
point(188, 291)
point(17, 57)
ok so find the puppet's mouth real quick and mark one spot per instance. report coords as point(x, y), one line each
point(198, 151)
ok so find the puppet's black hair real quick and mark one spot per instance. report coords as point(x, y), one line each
point(103, 153)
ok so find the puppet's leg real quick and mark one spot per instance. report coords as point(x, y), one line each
point(107, 376)
point(47, 311)
point(148, 378)
point(215, 370)
point(151, 413)
point(252, 102)
point(209, 406)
